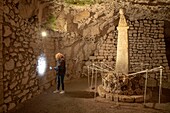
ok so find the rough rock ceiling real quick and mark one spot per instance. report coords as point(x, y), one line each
point(144, 9)
point(134, 9)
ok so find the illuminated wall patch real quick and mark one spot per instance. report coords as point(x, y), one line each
point(42, 64)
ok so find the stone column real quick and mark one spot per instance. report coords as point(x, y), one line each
point(1, 58)
point(122, 58)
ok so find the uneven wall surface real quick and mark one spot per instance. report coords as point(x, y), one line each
point(22, 46)
point(147, 48)
point(1, 58)
point(84, 34)
point(147, 44)
point(86, 29)
point(91, 35)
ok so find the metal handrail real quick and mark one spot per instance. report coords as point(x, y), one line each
point(144, 71)
point(98, 68)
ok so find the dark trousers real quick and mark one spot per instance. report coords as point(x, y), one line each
point(60, 80)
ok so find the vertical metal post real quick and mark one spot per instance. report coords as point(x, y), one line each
point(160, 85)
point(117, 95)
point(92, 76)
point(146, 80)
point(102, 69)
point(95, 84)
point(88, 69)
point(141, 65)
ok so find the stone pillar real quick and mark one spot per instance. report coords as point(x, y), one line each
point(1, 58)
point(122, 58)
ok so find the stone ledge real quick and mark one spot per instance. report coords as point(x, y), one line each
point(123, 98)
point(160, 107)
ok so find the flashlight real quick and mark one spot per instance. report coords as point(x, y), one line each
point(50, 68)
point(43, 33)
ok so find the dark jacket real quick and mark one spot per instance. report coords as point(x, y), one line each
point(60, 68)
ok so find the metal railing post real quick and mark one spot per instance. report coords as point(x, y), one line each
point(92, 77)
point(88, 76)
point(160, 85)
point(146, 80)
point(95, 84)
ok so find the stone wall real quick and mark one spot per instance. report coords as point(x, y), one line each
point(147, 44)
point(85, 28)
point(1, 58)
point(105, 52)
point(22, 46)
point(85, 31)
point(144, 9)
point(84, 34)
point(49, 49)
point(147, 48)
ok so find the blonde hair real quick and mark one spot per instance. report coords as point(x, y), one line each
point(59, 56)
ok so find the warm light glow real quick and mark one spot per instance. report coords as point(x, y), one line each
point(50, 68)
point(43, 33)
point(42, 64)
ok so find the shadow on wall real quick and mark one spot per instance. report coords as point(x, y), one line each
point(167, 40)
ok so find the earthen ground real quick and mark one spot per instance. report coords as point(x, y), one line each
point(78, 99)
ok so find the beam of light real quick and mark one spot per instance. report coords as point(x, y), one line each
point(42, 64)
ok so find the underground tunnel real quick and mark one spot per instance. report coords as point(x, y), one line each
point(116, 55)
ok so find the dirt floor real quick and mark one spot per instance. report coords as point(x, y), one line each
point(78, 99)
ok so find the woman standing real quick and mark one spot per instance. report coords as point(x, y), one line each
point(60, 72)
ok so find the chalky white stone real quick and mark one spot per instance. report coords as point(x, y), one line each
point(122, 60)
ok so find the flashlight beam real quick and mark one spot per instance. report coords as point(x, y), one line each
point(42, 65)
